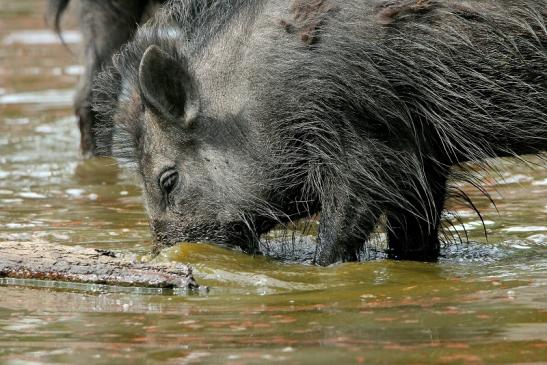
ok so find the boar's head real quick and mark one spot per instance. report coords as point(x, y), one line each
point(206, 176)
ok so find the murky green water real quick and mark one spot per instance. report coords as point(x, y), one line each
point(483, 303)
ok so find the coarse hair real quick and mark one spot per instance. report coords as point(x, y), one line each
point(376, 103)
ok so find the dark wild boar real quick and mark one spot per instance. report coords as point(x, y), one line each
point(106, 25)
point(249, 113)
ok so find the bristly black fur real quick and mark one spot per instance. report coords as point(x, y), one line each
point(367, 119)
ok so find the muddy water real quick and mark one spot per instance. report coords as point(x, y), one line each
point(484, 302)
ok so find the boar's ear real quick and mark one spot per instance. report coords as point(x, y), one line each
point(166, 86)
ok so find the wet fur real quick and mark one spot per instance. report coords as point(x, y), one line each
point(368, 109)
point(307, 18)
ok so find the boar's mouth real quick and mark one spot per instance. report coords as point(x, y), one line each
point(236, 234)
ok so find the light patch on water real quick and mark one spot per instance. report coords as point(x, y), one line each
point(540, 182)
point(6, 192)
point(525, 229)
point(74, 70)
point(11, 201)
point(60, 236)
point(34, 171)
point(36, 37)
point(538, 238)
point(50, 97)
point(515, 179)
point(17, 121)
point(25, 324)
point(41, 174)
point(32, 195)
point(75, 192)
point(44, 128)
point(472, 225)
point(520, 246)
point(24, 362)
point(15, 237)
point(448, 214)
point(19, 225)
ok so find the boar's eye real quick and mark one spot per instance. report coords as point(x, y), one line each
point(168, 180)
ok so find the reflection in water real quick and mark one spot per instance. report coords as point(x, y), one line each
point(40, 37)
point(484, 302)
point(49, 97)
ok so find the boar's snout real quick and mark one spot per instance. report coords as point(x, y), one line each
point(167, 233)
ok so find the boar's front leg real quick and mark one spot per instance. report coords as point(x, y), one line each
point(342, 232)
point(105, 27)
point(413, 233)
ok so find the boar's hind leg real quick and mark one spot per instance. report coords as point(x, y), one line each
point(413, 235)
point(105, 26)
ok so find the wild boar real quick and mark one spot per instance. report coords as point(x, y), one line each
point(106, 25)
point(242, 114)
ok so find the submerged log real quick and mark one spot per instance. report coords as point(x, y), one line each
point(44, 261)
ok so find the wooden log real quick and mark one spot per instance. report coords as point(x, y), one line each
point(44, 261)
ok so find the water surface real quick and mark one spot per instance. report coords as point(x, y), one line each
point(483, 302)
